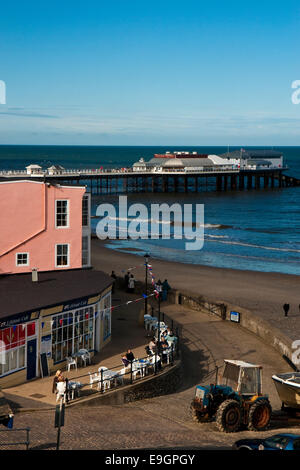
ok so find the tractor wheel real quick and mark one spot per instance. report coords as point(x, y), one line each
point(228, 417)
point(259, 415)
point(198, 416)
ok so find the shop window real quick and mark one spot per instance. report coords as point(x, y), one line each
point(12, 347)
point(31, 329)
point(71, 332)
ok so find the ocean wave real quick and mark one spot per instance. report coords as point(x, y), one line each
point(250, 245)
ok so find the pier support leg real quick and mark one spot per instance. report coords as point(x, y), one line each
point(225, 182)
point(257, 181)
point(241, 182)
point(233, 182)
point(249, 182)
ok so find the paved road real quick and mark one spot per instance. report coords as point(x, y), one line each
point(164, 422)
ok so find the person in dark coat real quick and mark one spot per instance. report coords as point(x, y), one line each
point(286, 308)
point(126, 279)
point(165, 290)
point(130, 356)
point(114, 277)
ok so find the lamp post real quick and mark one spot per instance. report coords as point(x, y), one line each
point(159, 290)
point(146, 256)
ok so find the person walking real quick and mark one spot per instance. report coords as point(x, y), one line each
point(126, 279)
point(286, 308)
point(131, 283)
point(165, 290)
point(114, 277)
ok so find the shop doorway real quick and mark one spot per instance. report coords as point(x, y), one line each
point(31, 359)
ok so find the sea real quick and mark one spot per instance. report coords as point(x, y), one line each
point(257, 230)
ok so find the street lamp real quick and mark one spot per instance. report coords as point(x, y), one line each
point(159, 290)
point(146, 256)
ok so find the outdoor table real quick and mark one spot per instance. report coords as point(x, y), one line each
point(74, 387)
point(149, 322)
point(78, 354)
point(143, 364)
point(108, 377)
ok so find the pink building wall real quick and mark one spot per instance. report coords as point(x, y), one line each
point(27, 224)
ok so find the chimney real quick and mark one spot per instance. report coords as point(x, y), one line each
point(34, 275)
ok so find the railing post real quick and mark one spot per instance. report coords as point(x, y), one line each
point(101, 373)
point(27, 438)
point(131, 372)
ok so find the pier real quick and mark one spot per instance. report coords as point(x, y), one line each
point(126, 180)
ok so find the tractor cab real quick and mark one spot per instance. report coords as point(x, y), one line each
point(243, 377)
point(236, 402)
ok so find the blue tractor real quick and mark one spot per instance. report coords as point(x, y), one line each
point(237, 403)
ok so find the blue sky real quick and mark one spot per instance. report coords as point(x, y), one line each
point(149, 72)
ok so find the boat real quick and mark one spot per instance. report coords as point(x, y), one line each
point(288, 388)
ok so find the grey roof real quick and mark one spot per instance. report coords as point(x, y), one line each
point(249, 153)
point(253, 161)
point(197, 162)
point(19, 294)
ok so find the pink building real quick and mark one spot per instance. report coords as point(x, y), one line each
point(43, 226)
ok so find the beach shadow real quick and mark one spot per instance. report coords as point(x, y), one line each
point(46, 446)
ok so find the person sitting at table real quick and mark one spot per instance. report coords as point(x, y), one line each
point(151, 348)
point(125, 360)
point(152, 344)
point(171, 339)
point(55, 380)
point(62, 389)
point(130, 356)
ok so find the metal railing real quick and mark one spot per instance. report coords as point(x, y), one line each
point(10, 432)
point(92, 384)
point(130, 172)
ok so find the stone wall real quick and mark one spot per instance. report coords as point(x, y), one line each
point(155, 385)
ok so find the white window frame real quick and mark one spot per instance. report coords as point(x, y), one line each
point(62, 265)
point(20, 265)
point(68, 214)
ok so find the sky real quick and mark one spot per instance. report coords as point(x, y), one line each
point(153, 72)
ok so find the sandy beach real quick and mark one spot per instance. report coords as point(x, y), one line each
point(262, 293)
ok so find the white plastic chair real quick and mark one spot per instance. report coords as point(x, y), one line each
point(85, 356)
point(94, 378)
point(136, 369)
point(71, 362)
point(61, 388)
point(152, 361)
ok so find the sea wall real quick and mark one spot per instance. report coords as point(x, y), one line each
point(246, 319)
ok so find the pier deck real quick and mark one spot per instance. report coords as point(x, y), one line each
point(124, 180)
